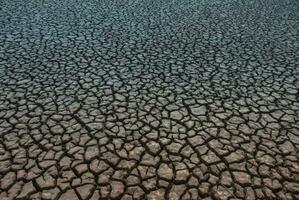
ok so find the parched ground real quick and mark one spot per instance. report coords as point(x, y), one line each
point(149, 99)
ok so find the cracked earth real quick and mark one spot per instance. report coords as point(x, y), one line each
point(149, 99)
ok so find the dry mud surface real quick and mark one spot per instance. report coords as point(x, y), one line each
point(149, 99)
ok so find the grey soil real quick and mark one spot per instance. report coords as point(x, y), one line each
point(149, 99)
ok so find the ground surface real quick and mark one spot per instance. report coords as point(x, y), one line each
point(149, 99)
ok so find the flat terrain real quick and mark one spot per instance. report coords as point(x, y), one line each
point(149, 99)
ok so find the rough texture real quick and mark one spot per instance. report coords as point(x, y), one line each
point(128, 99)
